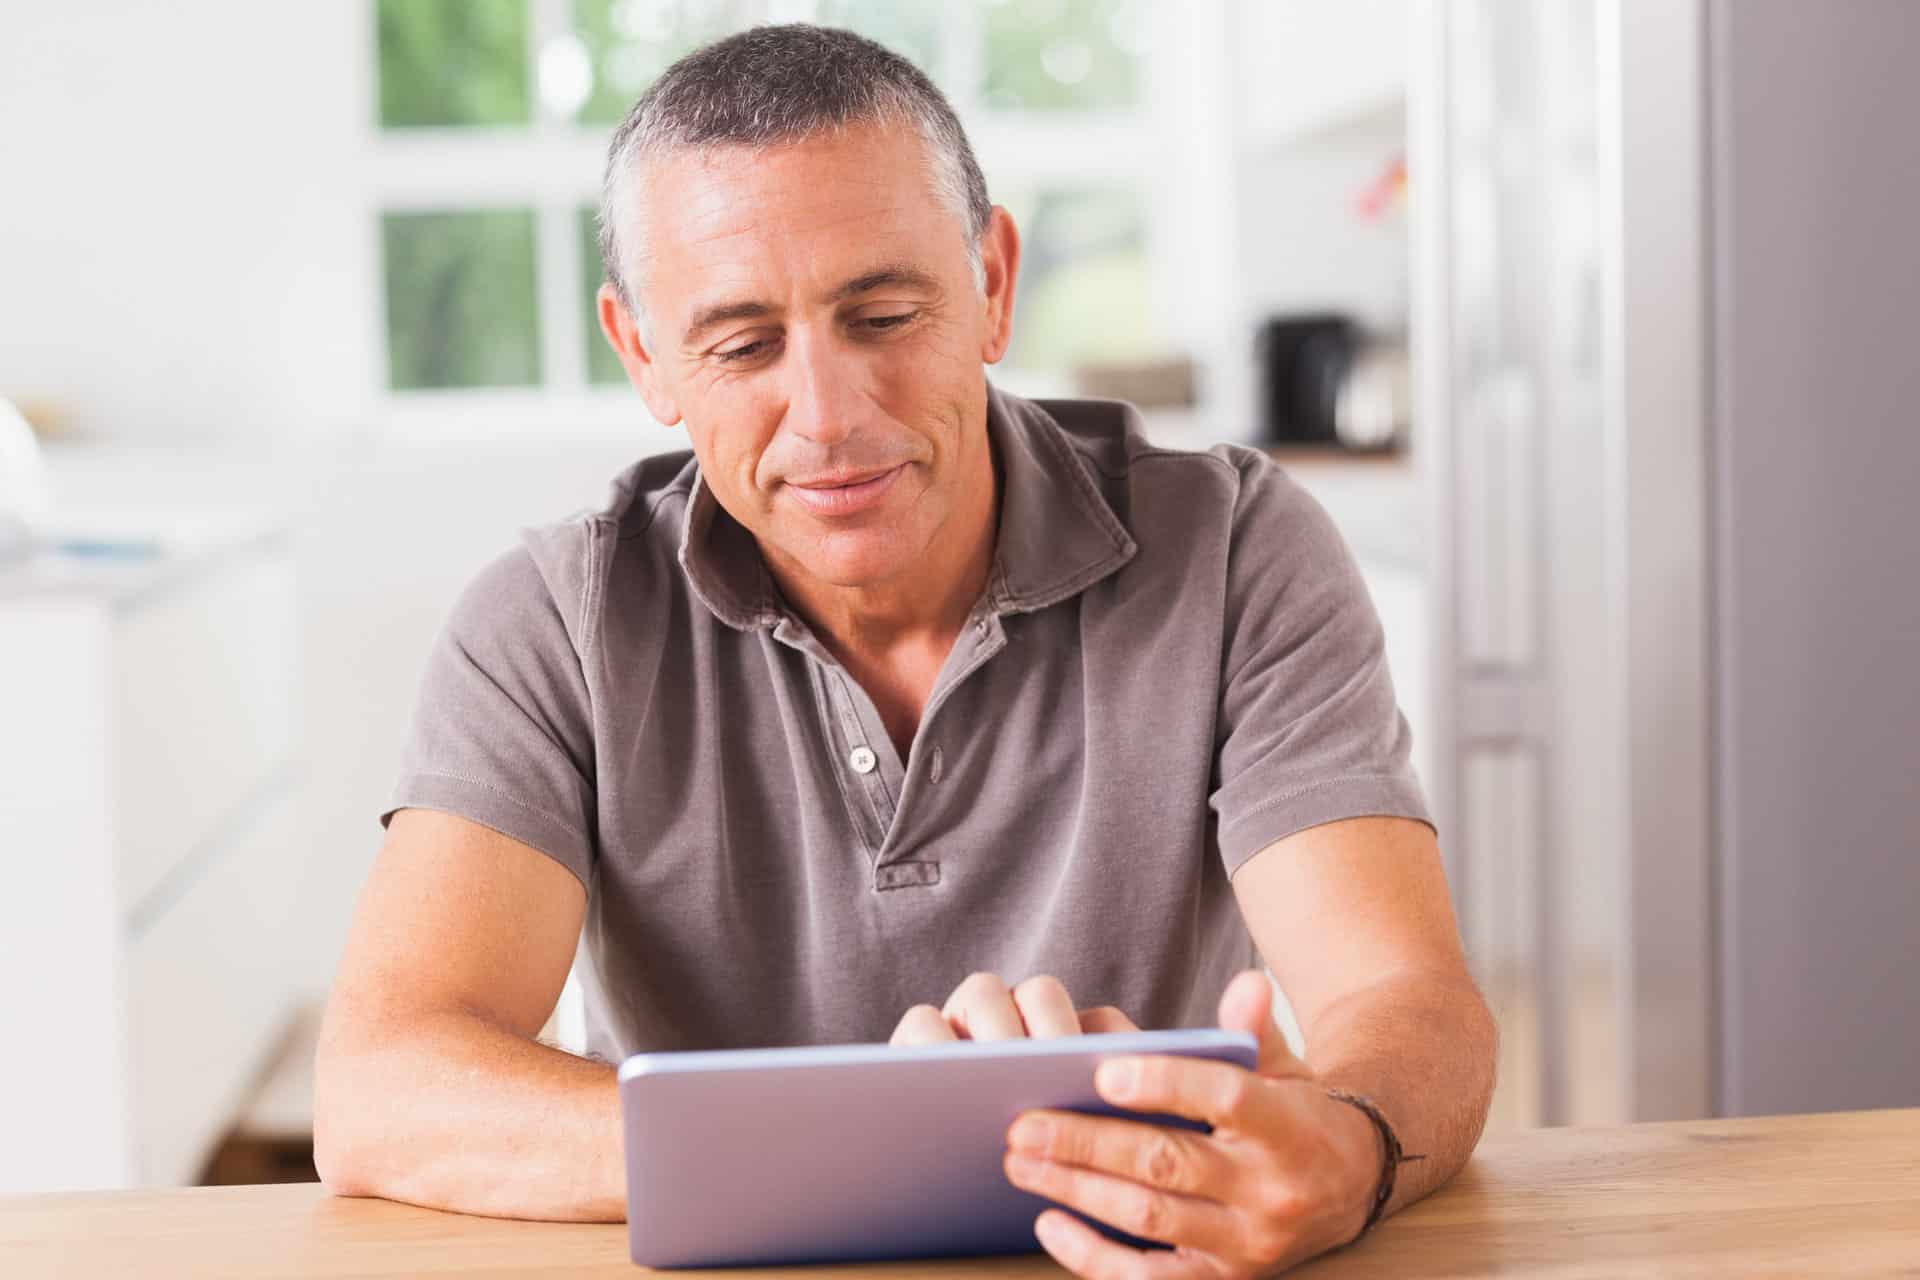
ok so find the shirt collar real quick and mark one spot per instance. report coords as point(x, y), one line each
point(1058, 535)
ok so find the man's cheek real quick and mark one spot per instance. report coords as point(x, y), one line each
point(952, 345)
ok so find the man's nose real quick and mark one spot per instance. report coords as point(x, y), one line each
point(823, 399)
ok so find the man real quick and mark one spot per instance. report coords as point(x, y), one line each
point(896, 680)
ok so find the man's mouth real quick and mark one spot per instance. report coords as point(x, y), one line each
point(844, 493)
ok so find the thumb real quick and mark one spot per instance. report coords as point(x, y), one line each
point(1247, 1005)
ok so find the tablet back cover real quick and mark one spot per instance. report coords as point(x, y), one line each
point(854, 1152)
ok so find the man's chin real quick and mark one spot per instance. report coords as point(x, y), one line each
point(855, 559)
point(857, 573)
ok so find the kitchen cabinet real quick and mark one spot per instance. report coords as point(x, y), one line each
point(149, 817)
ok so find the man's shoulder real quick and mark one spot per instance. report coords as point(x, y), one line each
point(645, 498)
point(645, 501)
point(1111, 437)
point(561, 566)
point(1229, 483)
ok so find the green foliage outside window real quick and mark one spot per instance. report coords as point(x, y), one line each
point(1062, 55)
point(630, 44)
point(453, 62)
point(911, 28)
point(460, 299)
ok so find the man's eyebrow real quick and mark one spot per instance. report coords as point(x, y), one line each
point(721, 312)
point(883, 277)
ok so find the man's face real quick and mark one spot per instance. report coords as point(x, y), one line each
point(817, 327)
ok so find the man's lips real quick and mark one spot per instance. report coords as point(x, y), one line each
point(845, 494)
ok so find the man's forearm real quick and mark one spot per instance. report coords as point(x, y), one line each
point(455, 1112)
point(1424, 1050)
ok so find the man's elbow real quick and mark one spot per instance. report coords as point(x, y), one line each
point(334, 1161)
point(339, 1155)
point(350, 1153)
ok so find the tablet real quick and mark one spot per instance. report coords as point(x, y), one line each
point(854, 1152)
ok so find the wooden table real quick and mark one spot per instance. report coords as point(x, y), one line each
point(1817, 1195)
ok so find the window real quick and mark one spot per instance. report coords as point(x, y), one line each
point(493, 116)
point(460, 299)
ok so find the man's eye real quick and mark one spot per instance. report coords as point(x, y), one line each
point(743, 353)
point(884, 323)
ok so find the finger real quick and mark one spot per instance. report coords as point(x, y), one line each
point(1153, 1155)
point(1085, 1252)
point(1219, 1093)
point(981, 1008)
point(1045, 1008)
point(1147, 1212)
point(922, 1024)
point(1105, 1018)
point(1247, 1005)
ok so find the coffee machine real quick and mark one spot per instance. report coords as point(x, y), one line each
point(1325, 382)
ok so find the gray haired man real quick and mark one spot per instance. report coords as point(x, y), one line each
point(894, 690)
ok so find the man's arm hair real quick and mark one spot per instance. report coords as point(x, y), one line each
point(429, 1085)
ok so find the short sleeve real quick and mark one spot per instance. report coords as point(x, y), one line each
point(502, 728)
point(1308, 730)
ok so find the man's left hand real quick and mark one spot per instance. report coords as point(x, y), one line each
point(1287, 1173)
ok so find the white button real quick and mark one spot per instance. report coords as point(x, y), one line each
point(863, 760)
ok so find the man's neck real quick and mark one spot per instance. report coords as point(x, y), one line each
point(893, 639)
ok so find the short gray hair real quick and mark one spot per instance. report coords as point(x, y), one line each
point(772, 85)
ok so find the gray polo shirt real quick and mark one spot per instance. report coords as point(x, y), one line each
point(1175, 663)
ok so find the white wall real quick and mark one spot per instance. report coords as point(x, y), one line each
point(1321, 113)
point(1310, 64)
point(1304, 246)
point(184, 252)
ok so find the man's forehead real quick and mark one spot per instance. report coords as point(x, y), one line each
point(831, 206)
point(792, 178)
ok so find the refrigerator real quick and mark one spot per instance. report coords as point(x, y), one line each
point(1666, 294)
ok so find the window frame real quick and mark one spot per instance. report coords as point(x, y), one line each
point(552, 166)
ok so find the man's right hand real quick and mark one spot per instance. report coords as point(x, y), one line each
point(984, 1008)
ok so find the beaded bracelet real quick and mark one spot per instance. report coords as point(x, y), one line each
point(1389, 1166)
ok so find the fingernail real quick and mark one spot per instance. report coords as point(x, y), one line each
point(1116, 1078)
point(1047, 1228)
point(1030, 1132)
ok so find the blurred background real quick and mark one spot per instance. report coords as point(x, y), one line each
point(1590, 322)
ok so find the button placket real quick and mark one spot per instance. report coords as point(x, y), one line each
point(860, 751)
point(970, 652)
point(841, 729)
point(875, 770)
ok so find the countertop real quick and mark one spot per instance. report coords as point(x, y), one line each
point(129, 522)
point(1808, 1195)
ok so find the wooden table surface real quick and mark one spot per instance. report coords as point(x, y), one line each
point(1814, 1195)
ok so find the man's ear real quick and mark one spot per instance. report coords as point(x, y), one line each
point(1000, 265)
point(642, 370)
